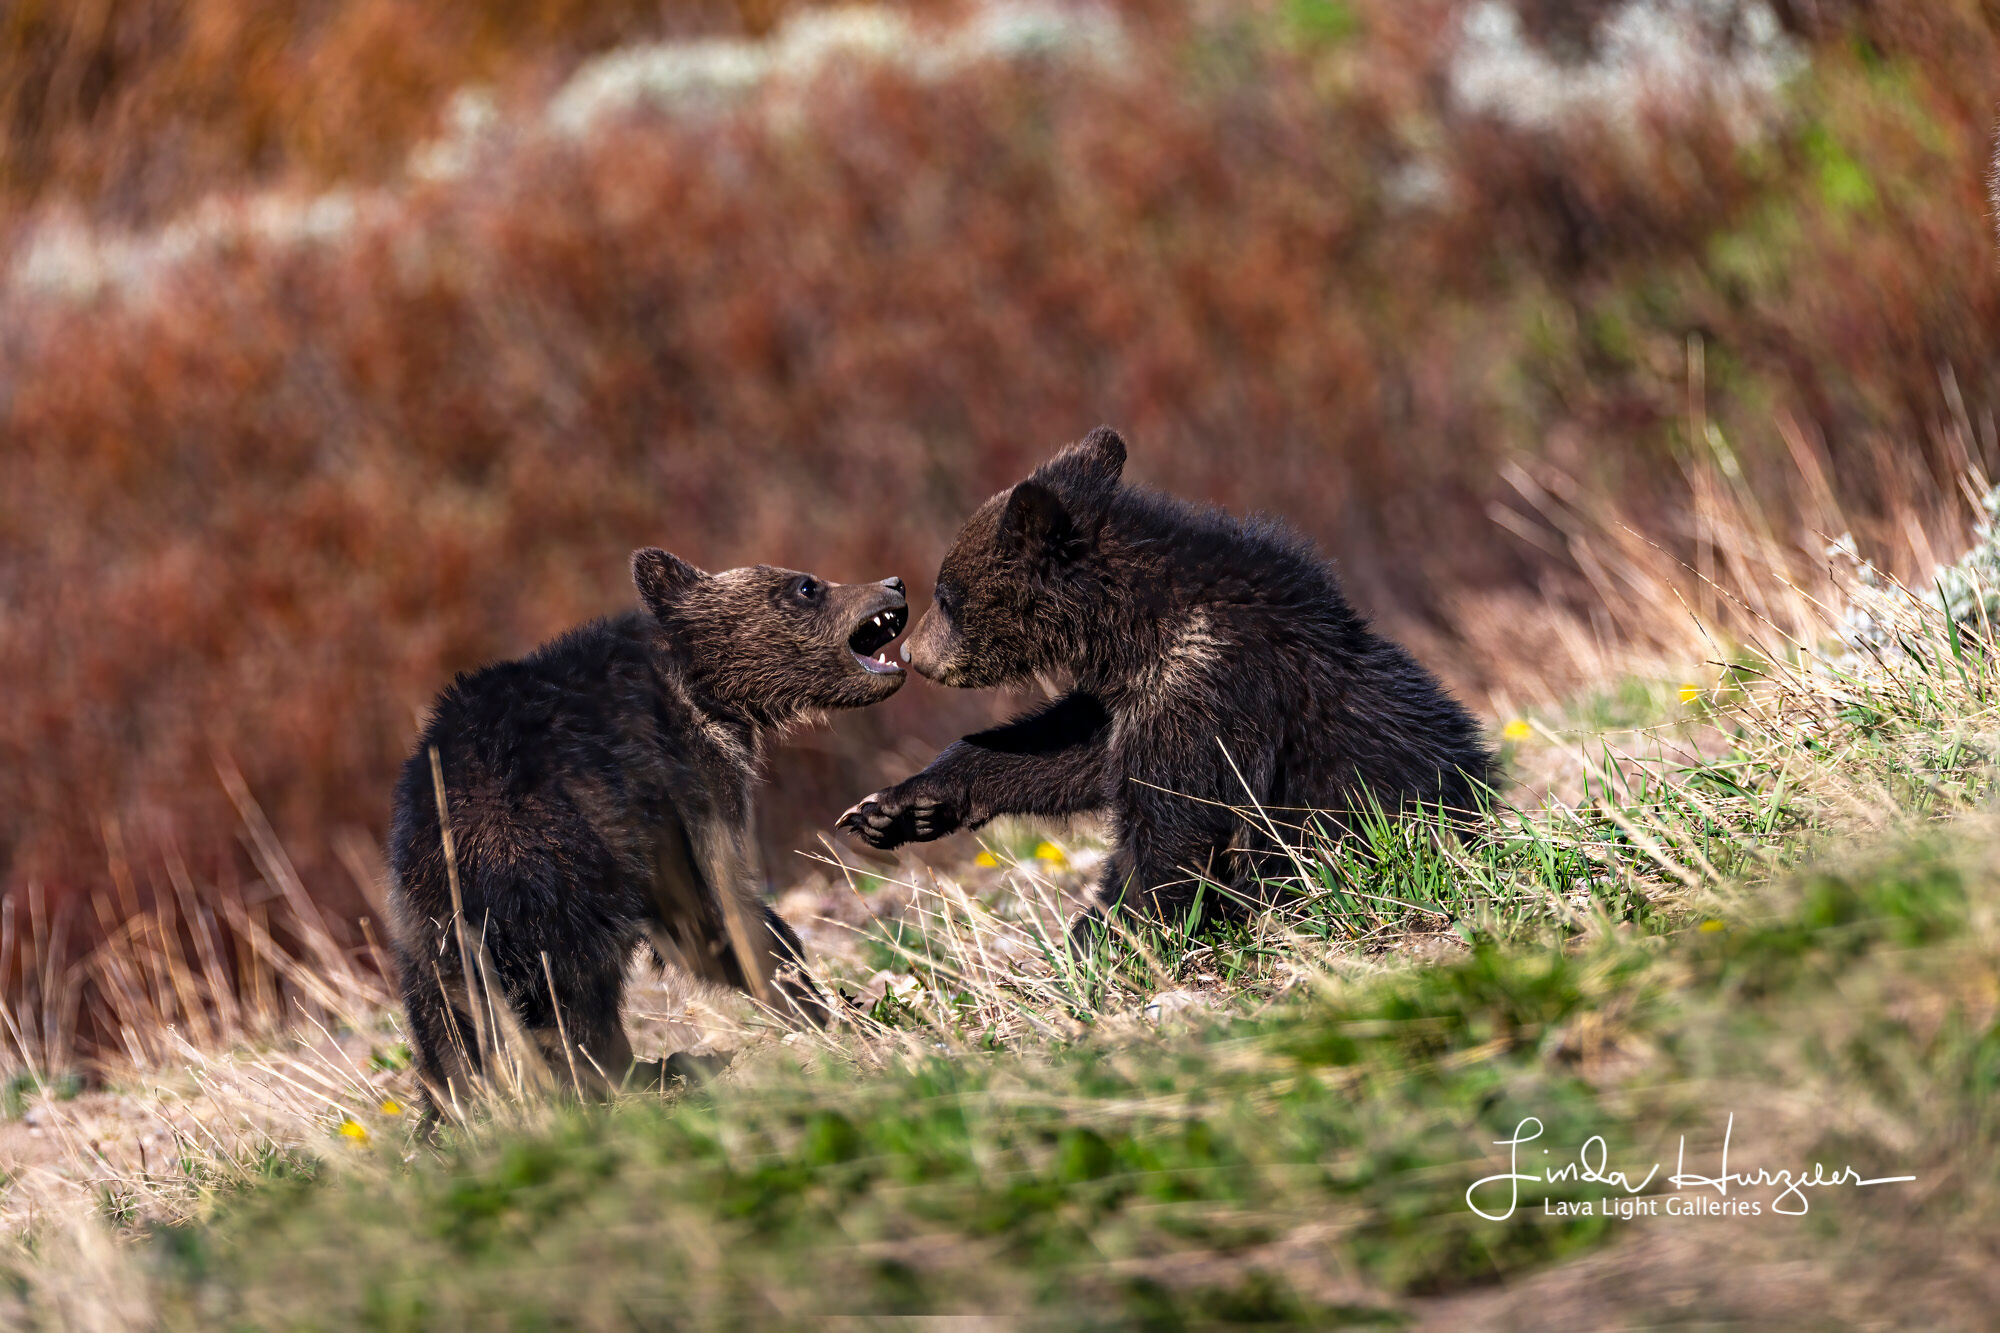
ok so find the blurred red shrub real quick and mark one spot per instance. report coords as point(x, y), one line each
point(142, 105)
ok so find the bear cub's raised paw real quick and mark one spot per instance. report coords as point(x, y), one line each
point(919, 810)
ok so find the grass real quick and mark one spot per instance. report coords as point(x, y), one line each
point(1765, 908)
point(1303, 1160)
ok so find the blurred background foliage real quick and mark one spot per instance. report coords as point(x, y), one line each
point(137, 108)
point(344, 346)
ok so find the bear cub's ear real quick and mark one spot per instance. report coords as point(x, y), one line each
point(1064, 502)
point(1092, 465)
point(1105, 448)
point(662, 578)
point(1086, 476)
point(1036, 523)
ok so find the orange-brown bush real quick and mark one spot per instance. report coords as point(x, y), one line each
point(137, 107)
point(265, 511)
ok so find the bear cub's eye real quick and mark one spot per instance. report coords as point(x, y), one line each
point(808, 589)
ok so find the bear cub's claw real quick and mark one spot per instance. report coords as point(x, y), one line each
point(877, 822)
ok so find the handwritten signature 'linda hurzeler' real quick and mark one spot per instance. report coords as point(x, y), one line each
point(1593, 1160)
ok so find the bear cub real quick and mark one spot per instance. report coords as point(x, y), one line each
point(1212, 663)
point(598, 795)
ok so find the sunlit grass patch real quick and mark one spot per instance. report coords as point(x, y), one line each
point(1310, 1157)
point(1777, 896)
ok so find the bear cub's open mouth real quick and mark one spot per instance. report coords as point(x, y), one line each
point(873, 635)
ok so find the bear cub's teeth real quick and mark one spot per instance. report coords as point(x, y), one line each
point(877, 632)
point(872, 637)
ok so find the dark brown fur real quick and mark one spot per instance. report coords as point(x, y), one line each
point(599, 794)
point(1213, 664)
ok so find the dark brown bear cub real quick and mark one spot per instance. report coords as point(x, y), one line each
point(598, 794)
point(1213, 663)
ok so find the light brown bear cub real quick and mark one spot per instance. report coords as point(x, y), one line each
point(599, 798)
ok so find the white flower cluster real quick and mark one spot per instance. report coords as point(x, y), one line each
point(1645, 54)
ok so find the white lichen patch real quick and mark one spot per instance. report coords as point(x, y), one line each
point(1644, 55)
point(679, 77)
point(64, 257)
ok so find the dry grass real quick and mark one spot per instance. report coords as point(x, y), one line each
point(1797, 753)
point(1691, 809)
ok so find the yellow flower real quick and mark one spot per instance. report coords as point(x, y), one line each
point(1690, 693)
point(1710, 926)
point(1517, 730)
point(986, 860)
point(353, 1131)
point(1048, 851)
point(390, 1106)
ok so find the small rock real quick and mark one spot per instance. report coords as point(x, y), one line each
point(1169, 1002)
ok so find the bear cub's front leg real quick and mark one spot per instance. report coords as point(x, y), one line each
point(1050, 761)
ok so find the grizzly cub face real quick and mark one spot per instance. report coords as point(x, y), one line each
point(1025, 578)
point(778, 644)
